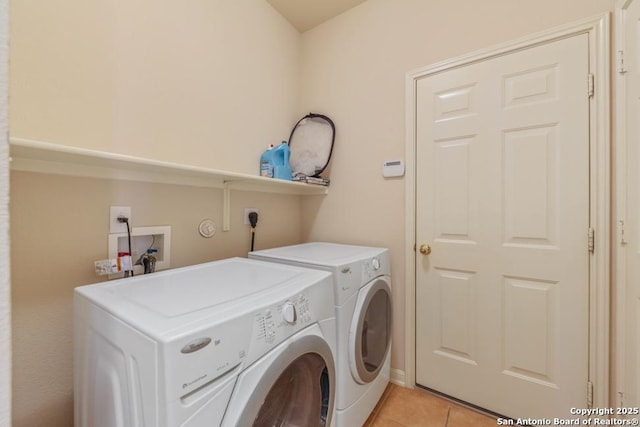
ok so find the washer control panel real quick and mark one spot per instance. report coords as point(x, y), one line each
point(275, 323)
point(266, 326)
point(279, 319)
point(289, 313)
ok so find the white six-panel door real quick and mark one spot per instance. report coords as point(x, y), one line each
point(502, 199)
point(628, 239)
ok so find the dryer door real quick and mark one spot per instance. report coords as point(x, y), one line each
point(294, 386)
point(370, 332)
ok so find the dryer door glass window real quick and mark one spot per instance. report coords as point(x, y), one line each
point(373, 336)
point(299, 397)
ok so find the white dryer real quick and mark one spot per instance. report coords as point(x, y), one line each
point(230, 343)
point(362, 291)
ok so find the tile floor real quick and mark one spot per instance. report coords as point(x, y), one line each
point(401, 406)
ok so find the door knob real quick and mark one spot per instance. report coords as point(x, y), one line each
point(425, 249)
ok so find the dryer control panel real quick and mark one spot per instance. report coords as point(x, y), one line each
point(373, 268)
point(353, 276)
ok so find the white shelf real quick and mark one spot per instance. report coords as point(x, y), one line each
point(37, 156)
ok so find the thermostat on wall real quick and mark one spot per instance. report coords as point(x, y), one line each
point(393, 168)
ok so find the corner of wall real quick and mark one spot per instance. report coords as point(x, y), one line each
point(5, 309)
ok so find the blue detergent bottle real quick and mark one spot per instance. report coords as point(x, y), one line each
point(280, 159)
point(266, 162)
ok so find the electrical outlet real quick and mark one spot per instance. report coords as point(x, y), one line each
point(116, 226)
point(247, 211)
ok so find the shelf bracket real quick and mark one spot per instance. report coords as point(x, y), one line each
point(226, 207)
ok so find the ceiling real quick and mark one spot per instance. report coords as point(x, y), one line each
point(306, 14)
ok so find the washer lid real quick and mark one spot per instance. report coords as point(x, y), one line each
point(319, 253)
point(201, 287)
point(213, 291)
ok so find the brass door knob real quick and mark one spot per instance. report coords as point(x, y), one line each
point(425, 249)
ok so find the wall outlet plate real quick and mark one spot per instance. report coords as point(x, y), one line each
point(114, 225)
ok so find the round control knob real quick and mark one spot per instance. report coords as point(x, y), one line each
point(376, 264)
point(289, 313)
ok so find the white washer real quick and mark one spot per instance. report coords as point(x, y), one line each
point(230, 343)
point(362, 291)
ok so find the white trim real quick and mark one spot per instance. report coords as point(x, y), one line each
point(398, 377)
point(600, 284)
point(598, 30)
point(620, 209)
point(410, 233)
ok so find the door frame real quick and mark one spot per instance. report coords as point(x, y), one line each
point(597, 29)
point(620, 206)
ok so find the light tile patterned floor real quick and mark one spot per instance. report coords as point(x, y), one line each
point(403, 407)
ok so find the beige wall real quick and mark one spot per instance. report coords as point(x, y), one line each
point(60, 227)
point(207, 83)
point(354, 68)
point(149, 78)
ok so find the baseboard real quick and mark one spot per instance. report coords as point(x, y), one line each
point(397, 377)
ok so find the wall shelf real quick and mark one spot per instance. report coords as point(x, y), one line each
point(44, 157)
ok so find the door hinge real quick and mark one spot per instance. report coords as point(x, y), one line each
point(621, 68)
point(623, 240)
point(589, 394)
point(592, 240)
point(591, 85)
